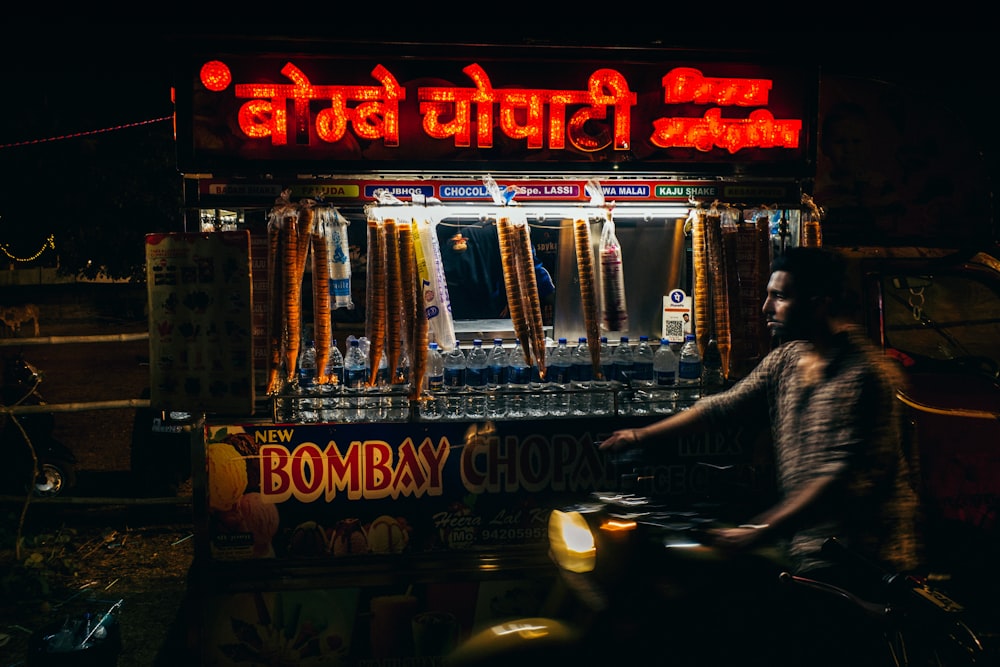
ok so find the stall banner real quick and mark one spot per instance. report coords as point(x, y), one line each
point(200, 322)
point(331, 490)
point(254, 113)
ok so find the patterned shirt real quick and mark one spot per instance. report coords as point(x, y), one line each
point(847, 424)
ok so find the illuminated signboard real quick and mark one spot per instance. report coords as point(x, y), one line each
point(327, 114)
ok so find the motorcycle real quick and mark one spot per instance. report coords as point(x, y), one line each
point(35, 461)
point(639, 583)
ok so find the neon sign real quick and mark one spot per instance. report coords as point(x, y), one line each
point(606, 114)
point(605, 88)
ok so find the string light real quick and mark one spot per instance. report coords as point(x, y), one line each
point(50, 242)
point(87, 133)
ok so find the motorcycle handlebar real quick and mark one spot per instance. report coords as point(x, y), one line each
point(876, 610)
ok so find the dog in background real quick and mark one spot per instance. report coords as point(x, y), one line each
point(14, 316)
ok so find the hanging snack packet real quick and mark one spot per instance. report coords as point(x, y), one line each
point(614, 313)
point(340, 261)
point(432, 287)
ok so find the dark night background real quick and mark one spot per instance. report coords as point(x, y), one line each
point(99, 192)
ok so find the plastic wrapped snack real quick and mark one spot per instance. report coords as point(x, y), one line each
point(614, 311)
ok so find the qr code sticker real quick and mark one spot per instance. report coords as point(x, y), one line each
point(674, 329)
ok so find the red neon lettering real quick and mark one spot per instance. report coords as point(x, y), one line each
point(215, 75)
point(760, 130)
point(538, 116)
point(686, 84)
point(377, 115)
point(447, 112)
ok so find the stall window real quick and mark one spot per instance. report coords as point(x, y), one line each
point(942, 318)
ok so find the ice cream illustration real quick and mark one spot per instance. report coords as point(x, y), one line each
point(227, 476)
point(387, 534)
point(260, 518)
point(348, 538)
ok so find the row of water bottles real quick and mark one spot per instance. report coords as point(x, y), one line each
point(347, 396)
point(498, 383)
point(645, 380)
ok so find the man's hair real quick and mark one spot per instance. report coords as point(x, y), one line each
point(816, 272)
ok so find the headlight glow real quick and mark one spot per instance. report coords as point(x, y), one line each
point(571, 542)
point(618, 525)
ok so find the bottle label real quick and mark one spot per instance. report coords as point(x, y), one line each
point(454, 377)
point(557, 374)
point(689, 370)
point(356, 377)
point(664, 378)
point(435, 382)
point(519, 375)
point(475, 377)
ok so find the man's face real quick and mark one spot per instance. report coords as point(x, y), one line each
point(787, 318)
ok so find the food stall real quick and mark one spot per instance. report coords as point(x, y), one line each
point(402, 195)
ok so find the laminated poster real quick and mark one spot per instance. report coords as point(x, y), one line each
point(200, 322)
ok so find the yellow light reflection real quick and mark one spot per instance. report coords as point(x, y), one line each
point(571, 542)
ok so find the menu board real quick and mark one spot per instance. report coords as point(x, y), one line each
point(200, 322)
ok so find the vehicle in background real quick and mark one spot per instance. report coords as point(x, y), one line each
point(34, 459)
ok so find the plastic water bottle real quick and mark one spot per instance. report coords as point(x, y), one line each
point(432, 403)
point(518, 381)
point(377, 400)
point(624, 362)
point(536, 404)
point(308, 407)
point(642, 367)
point(496, 398)
point(399, 390)
point(581, 375)
point(335, 367)
point(602, 398)
point(557, 376)
point(643, 378)
point(332, 391)
point(711, 369)
point(355, 379)
point(454, 383)
point(688, 373)
point(665, 370)
point(476, 376)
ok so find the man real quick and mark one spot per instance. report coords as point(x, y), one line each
point(834, 420)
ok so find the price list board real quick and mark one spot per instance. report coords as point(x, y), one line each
point(200, 322)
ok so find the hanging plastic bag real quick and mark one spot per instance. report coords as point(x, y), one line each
point(812, 227)
point(340, 261)
point(285, 257)
point(614, 311)
point(432, 287)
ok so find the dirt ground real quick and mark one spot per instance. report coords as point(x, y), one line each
point(84, 557)
point(74, 562)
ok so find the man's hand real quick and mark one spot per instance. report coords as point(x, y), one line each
point(737, 539)
point(619, 440)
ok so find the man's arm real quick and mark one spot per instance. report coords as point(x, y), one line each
point(688, 421)
point(776, 519)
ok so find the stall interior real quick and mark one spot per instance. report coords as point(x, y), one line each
point(395, 278)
